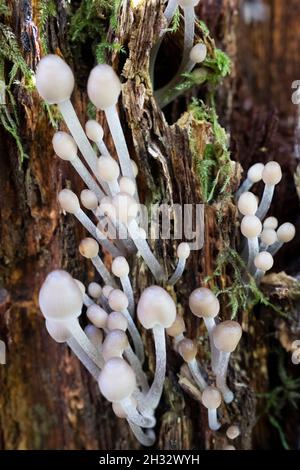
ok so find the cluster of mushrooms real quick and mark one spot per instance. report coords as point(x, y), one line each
point(110, 346)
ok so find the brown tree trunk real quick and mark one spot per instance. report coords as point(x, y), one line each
point(47, 400)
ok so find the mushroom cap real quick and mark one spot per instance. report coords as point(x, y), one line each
point(104, 86)
point(88, 199)
point(68, 201)
point(204, 303)
point(127, 186)
point(156, 307)
point(272, 174)
point(106, 290)
point(134, 168)
point(226, 335)
point(188, 3)
point(108, 169)
point(229, 447)
point(251, 226)
point(54, 79)
point(64, 146)
point(187, 349)
point(58, 331)
point(94, 335)
point(247, 203)
point(177, 327)
point(264, 261)
point(89, 248)
point(60, 298)
point(233, 432)
point(286, 232)
point(117, 300)
point(270, 222)
point(116, 321)
point(120, 267)
point(198, 53)
point(116, 380)
point(255, 172)
point(97, 316)
point(94, 130)
point(183, 250)
point(268, 236)
point(95, 290)
point(126, 207)
point(115, 343)
point(211, 398)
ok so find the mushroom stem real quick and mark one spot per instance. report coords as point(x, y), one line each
point(116, 131)
point(210, 324)
point(253, 250)
point(135, 335)
point(245, 187)
point(275, 247)
point(147, 438)
point(213, 422)
point(87, 177)
point(84, 343)
point(87, 301)
point(127, 288)
point(102, 270)
point(189, 32)
point(92, 368)
point(178, 272)
point(221, 373)
point(137, 367)
point(196, 373)
point(151, 400)
point(265, 203)
point(134, 416)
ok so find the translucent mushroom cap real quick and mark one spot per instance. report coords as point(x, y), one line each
point(183, 250)
point(254, 173)
point(120, 267)
point(268, 236)
point(286, 232)
point(272, 174)
point(95, 335)
point(226, 335)
point(198, 53)
point(117, 300)
point(188, 3)
point(264, 261)
point(60, 298)
point(204, 303)
point(251, 226)
point(106, 290)
point(64, 145)
point(94, 130)
point(126, 207)
point(187, 349)
point(95, 290)
point(115, 343)
point(247, 203)
point(97, 316)
point(127, 186)
point(108, 169)
point(211, 398)
point(58, 331)
point(177, 327)
point(88, 199)
point(116, 321)
point(104, 86)
point(233, 432)
point(68, 201)
point(156, 307)
point(54, 79)
point(270, 222)
point(116, 380)
point(89, 248)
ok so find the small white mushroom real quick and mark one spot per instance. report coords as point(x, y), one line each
point(211, 399)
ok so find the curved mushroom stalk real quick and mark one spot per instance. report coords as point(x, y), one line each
point(211, 399)
point(271, 176)
point(183, 252)
point(188, 351)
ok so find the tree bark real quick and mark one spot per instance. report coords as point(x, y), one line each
point(47, 400)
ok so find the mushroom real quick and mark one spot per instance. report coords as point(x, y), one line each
point(176, 330)
point(204, 304)
point(285, 233)
point(247, 203)
point(271, 176)
point(211, 399)
point(226, 336)
point(109, 171)
point(87, 301)
point(120, 268)
point(251, 227)
point(188, 351)
point(97, 316)
point(61, 300)
point(156, 310)
point(263, 262)
point(267, 238)
point(233, 432)
point(127, 186)
point(89, 248)
point(270, 222)
point(254, 175)
point(183, 252)
point(116, 321)
point(95, 133)
point(55, 84)
point(69, 202)
point(95, 290)
point(145, 438)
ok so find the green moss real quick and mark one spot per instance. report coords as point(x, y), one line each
point(4, 10)
point(47, 10)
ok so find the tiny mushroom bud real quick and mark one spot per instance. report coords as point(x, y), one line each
point(109, 171)
point(211, 399)
point(89, 199)
point(114, 344)
point(198, 53)
point(54, 79)
point(263, 261)
point(95, 290)
point(270, 222)
point(117, 380)
point(94, 130)
point(97, 316)
point(89, 248)
point(254, 175)
point(120, 268)
point(104, 86)
point(233, 432)
point(247, 203)
point(107, 289)
point(285, 233)
point(95, 336)
point(116, 321)
point(251, 227)
point(68, 201)
point(183, 252)
point(177, 328)
point(226, 337)
point(271, 176)
point(64, 146)
point(188, 350)
point(127, 186)
point(268, 236)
